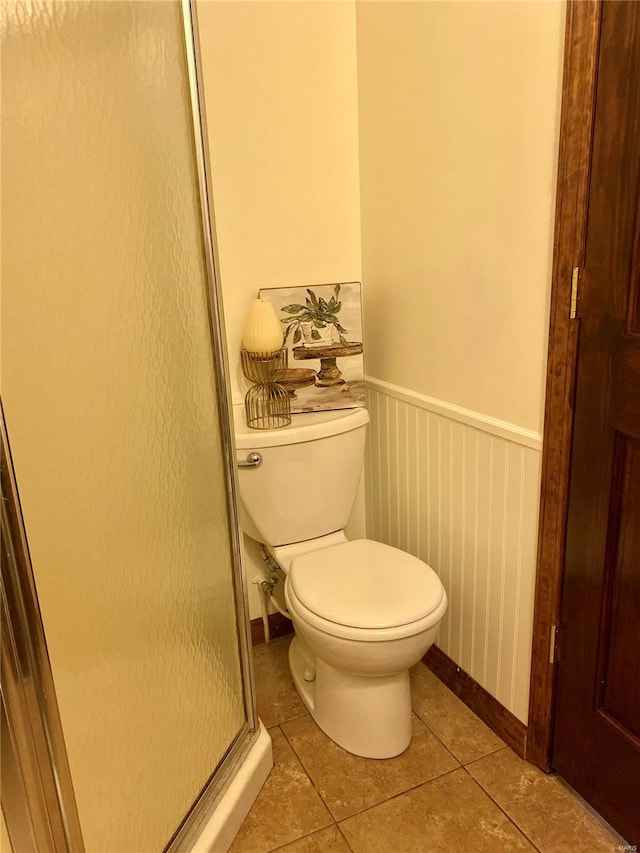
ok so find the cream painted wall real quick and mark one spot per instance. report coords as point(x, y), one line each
point(451, 171)
point(459, 117)
point(280, 85)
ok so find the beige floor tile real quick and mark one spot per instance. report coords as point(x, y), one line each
point(417, 667)
point(348, 783)
point(328, 840)
point(449, 814)
point(548, 813)
point(456, 725)
point(287, 808)
point(278, 699)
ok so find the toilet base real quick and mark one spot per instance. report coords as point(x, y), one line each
point(369, 716)
point(301, 661)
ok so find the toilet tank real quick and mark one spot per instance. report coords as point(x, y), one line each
point(306, 485)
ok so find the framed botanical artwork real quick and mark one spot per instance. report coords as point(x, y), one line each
point(322, 328)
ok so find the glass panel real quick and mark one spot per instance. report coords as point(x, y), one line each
point(109, 391)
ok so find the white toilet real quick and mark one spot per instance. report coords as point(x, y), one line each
point(363, 612)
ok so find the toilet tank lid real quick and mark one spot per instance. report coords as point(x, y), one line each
point(306, 426)
point(365, 584)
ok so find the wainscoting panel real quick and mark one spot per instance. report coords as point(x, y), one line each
point(461, 491)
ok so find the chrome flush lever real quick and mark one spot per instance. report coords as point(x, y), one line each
point(253, 460)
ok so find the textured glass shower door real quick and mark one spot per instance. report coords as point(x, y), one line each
point(116, 410)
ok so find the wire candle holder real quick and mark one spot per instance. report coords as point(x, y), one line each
point(267, 404)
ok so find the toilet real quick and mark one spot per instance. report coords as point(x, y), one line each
point(363, 612)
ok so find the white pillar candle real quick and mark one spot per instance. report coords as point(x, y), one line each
point(262, 331)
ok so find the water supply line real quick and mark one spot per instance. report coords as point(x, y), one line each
point(267, 589)
point(264, 612)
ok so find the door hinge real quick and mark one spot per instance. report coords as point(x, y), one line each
point(553, 643)
point(575, 293)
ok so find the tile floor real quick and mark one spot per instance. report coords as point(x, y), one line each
point(457, 787)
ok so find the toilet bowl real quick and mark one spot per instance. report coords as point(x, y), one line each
point(363, 612)
point(356, 637)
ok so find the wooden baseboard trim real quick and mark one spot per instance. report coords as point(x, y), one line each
point(279, 626)
point(507, 726)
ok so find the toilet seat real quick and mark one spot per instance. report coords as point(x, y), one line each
point(365, 590)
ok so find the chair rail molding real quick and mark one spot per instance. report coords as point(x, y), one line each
point(503, 429)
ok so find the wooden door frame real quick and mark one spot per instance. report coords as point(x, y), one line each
point(576, 138)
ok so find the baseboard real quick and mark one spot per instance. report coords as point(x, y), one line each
point(507, 726)
point(279, 626)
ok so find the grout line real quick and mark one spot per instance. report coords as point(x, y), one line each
point(460, 765)
point(308, 772)
point(346, 840)
point(441, 742)
point(304, 767)
point(305, 713)
point(482, 757)
point(487, 754)
point(373, 805)
point(470, 711)
point(400, 794)
point(367, 808)
point(505, 813)
point(302, 837)
point(435, 734)
point(336, 822)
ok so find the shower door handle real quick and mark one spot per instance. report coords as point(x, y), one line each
point(253, 460)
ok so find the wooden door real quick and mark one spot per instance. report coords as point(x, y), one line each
point(597, 725)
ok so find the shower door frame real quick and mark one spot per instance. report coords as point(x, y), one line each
point(37, 793)
point(204, 806)
point(43, 805)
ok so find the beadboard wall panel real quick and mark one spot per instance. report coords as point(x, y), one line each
point(461, 491)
